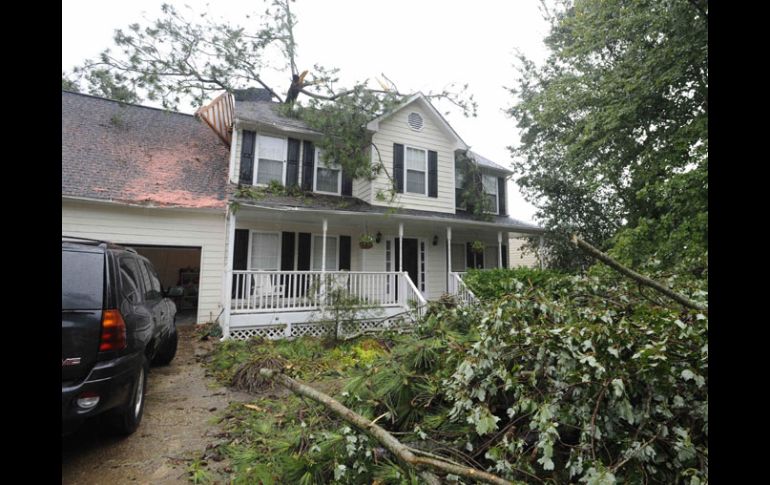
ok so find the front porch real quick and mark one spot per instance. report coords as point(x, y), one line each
point(286, 267)
point(289, 304)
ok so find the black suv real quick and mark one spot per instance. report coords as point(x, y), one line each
point(115, 321)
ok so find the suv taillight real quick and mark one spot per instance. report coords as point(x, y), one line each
point(113, 331)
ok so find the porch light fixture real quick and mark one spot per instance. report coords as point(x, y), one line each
point(435, 240)
point(378, 237)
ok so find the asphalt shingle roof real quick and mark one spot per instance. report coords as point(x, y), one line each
point(485, 162)
point(140, 155)
point(330, 202)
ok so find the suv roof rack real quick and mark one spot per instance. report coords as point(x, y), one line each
point(100, 242)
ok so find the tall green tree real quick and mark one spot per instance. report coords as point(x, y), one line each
point(614, 127)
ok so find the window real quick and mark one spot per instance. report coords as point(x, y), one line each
point(459, 186)
point(271, 163)
point(265, 251)
point(416, 167)
point(490, 257)
point(129, 277)
point(458, 257)
point(490, 191)
point(328, 179)
point(331, 253)
point(149, 292)
point(154, 291)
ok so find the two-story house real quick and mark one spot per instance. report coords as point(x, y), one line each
point(168, 185)
point(280, 245)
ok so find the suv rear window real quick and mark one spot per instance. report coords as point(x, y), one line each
point(82, 280)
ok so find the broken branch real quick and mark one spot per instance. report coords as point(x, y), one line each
point(604, 258)
point(398, 449)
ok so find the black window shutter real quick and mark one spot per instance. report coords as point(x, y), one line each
point(246, 175)
point(345, 253)
point(308, 157)
point(347, 184)
point(287, 251)
point(240, 253)
point(505, 256)
point(396, 260)
point(501, 195)
point(432, 174)
point(398, 167)
point(292, 163)
point(470, 262)
point(303, 251)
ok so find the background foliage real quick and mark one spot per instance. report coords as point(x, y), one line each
point(614, 129)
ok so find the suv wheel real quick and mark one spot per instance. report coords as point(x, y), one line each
point(167, 349)
point(126, 418)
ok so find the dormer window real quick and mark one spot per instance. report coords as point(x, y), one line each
point(490, 191)
point(416, 168)
point(271, 163)
point(328, 179)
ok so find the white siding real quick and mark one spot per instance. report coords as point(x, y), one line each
point(517, 257)
point(395, 129)
point(155, 226)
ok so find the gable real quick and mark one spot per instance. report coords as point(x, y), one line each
point(433, 124)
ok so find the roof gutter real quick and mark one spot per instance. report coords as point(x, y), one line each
point(522, 229)
point(213, 210)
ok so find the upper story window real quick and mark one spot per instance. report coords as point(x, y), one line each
point(271, 162)
point(459, 186)
point(490, 191)
point(328, 179)
point(416, 170)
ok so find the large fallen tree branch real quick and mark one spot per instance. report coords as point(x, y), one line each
point(403, 452)
point(592, 251)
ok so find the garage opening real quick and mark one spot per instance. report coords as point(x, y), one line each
point(179, 270)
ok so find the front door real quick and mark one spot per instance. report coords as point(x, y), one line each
point(411, 259)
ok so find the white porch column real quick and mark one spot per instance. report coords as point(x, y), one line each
point(323, 247)
point(228, 283)
point(499, 249)
point(449, 256)
point(540, 253)
point(400, 247)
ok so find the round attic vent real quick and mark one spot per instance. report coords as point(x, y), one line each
point(415, 121)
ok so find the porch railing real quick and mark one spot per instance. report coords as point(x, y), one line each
point(460, 290)
point(412, 296)
point(263, 291)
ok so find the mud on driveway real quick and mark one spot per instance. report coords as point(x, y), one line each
point(179, 422)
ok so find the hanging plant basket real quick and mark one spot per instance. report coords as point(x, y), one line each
point(477, 247)
point(366, 241)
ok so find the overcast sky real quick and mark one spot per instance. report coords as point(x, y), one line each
point(419, 44)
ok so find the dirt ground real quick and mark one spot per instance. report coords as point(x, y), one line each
point(179, 422)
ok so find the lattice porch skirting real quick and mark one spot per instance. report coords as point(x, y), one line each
point(316, 329)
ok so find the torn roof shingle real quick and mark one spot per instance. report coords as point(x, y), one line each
point(140, 155)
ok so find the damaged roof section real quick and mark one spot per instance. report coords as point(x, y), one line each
point(254, 106)
point(140, 155)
